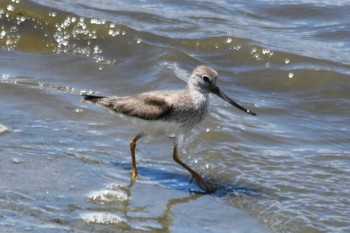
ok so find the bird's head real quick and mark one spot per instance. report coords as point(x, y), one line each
point(203, 79)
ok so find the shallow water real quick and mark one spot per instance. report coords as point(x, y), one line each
point(65, 165)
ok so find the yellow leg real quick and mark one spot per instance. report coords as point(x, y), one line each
point(195, 175)
point(133, 157)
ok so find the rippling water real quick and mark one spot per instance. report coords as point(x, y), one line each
point(65, 165)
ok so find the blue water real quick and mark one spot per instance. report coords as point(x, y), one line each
point(65, 165)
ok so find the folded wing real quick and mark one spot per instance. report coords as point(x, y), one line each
point(144, 106)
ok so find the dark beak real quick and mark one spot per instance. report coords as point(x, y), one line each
point(222, 95)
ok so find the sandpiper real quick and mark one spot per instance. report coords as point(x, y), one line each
point(168, 113)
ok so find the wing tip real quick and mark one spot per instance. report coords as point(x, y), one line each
point(91, 98)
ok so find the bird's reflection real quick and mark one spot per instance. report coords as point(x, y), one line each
point(164, 220)
point(135, 211)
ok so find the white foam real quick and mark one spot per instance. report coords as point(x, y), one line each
point(3, 129)
point(109, 195)
point(101, 218)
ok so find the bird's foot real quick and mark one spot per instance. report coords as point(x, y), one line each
point(208, 187)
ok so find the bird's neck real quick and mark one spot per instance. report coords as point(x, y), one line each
point(199, 98)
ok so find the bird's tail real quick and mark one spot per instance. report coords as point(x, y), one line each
point(91, 98)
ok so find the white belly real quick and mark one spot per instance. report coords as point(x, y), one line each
point(155, 127)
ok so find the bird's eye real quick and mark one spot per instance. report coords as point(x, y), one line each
point(206, 79)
